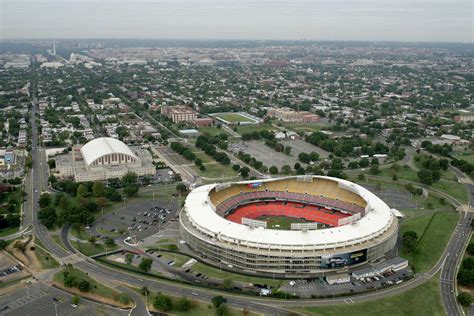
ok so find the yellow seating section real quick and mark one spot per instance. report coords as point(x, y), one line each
point(318, 187)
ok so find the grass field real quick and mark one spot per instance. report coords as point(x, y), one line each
point(304, 127)
point(233, 117)
point(455, 189)
point(467, 156)
point(199, 308)
point(203, 156)
point(96, 288)
point(47, 262)
point(424, 300)
point(178, 259)
point(283, 222)
point(221, 274)
point(433, 232)
point(242, 129)
point(8, 231)
point(215, 170)
point(211, 130)
point(91, 249)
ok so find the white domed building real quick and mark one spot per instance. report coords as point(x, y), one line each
point(104, 158)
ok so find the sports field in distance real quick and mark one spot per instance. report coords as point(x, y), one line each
point(281, 222)
point(234, 118)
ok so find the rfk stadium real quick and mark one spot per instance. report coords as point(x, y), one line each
point(288, 227)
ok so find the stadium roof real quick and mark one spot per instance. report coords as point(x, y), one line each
point(377, 220)
point(103, 146)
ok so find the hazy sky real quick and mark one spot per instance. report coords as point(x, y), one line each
point(394, 20)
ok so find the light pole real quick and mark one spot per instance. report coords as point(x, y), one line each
point(55, 309)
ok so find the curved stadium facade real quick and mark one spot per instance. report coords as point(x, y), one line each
point(341, 224)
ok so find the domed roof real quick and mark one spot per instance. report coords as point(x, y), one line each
point(104, 146)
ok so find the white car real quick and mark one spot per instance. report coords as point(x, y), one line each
point(74, 305)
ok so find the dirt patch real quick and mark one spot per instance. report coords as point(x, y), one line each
point(92, 297)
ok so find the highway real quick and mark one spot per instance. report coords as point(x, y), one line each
point(39, 182)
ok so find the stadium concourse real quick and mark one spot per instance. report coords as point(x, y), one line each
point(347, 225)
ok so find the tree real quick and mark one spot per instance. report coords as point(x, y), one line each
point(163, 302)
point(81, 191)
point(364, 162)
point(361, 177)
point(465, 299)
point(236, 168)
point(110, 242)
point(374, 169)
point(425, 176)
point(198, 162)
point(286, 169)
point(183, 304)
point(410, 241)
point(144, 290)
point(21, 246)
point(83, 286)
point(98, 189)
point(130, 179)
point(244, 172)
point(145, 264)
point(222, 310)
point(44, 200)
point(51, 163)
point(129, 258)
point(470, 249)
point(48, 216)
point(297, 166)
point(75, 300)
point(287, 150)
point(218, 300)
point(131, 190)
point(181, 188)
point(273, 170)
point(92, 240)
point(227, 283)
point(304, 157)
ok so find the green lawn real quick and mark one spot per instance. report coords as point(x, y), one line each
point(434, 231)
point(455, 189)
point(233, 117)
point(467, 156)
point(8, 231)
point(91, 249)
point(215, 170)
point(283, 221)
point(304, 127)
point(47, 262)
point(96, 288)
point(211, 130)
point(178, 259)
point(203, 156)
point(222, 274)
point(420, 301)
point(404, 173)
point(199, 308)
point(242, 129)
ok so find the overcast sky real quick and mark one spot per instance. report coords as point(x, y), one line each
point(394, 20)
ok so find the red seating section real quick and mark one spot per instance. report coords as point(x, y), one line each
point(291, 209)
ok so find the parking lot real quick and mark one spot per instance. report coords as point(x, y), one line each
point(319, 287)
point(39, 299)
point(140, 219)
point(298, 146)
point(10, 269)
point(393, 197)
point(265, 154)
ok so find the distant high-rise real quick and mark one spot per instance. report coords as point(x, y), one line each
point(54, 48)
